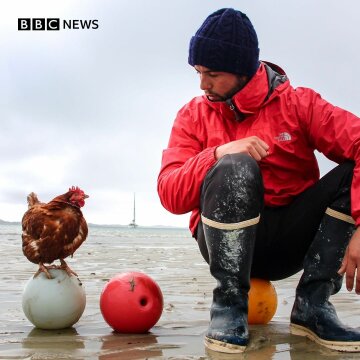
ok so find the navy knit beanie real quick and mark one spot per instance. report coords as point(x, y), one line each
point(226, 41)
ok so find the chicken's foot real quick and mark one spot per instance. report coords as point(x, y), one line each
point(65, 266)
point(44, 269)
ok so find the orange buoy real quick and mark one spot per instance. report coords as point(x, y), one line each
point(262, 301)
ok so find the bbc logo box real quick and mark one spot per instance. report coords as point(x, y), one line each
point(38, 24)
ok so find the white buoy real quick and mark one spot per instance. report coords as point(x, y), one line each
point(55, 303)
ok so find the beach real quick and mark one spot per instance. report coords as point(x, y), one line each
point(172, 259)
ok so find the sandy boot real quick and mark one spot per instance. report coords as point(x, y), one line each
point(232, 196)
point(230, 253)
point(313, 315)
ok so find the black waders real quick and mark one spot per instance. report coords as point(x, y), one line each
point(229, 222)
point(313, 315)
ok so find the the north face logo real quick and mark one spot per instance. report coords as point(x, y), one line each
point(284, 136)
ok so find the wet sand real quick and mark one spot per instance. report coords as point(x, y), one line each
point(184, 279)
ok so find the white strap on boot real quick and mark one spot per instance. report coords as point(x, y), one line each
point(230, 226)
point(339, 215)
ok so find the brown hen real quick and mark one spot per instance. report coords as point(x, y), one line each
point(54, 230)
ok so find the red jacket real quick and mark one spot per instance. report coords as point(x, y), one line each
point(294, 122)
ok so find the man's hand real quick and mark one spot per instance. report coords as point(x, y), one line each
point(253, 146)
point(351, 263)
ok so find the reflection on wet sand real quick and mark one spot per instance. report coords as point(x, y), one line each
point(50, 339)
point(129, 347)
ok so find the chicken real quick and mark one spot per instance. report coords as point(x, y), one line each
point(53, 231)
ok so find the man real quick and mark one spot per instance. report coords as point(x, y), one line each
point(241, 158)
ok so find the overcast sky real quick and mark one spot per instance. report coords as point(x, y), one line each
point(94, 108)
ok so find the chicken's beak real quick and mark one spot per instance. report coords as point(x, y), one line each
point(86, 196)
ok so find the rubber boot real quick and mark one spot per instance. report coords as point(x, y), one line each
point(313, 315)
point(230, 255)
point(231, 198)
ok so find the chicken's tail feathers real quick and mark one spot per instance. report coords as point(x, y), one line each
point(32, 199)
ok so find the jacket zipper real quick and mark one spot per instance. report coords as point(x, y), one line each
point(238, 115)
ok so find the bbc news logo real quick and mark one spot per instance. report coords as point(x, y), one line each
point(54, 24)
point(38, 24)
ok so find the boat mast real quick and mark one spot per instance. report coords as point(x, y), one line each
point(133, 222)
point(134, 212)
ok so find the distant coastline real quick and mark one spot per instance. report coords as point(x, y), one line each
point(3, 222)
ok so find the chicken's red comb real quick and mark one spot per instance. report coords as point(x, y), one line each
point(75, 189)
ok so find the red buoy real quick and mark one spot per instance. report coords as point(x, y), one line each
point(131, 302)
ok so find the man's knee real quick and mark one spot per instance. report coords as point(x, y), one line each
point(235, 166)
point(235, 184)
point(343, 173)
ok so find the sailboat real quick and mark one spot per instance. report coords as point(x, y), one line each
point(133, 223)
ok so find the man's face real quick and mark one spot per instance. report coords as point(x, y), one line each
point(218, 85)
